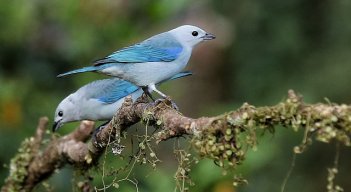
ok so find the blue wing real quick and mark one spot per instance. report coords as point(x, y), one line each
point(117, 91)
point(160, 48)
point(108, 90)
point(111, 90)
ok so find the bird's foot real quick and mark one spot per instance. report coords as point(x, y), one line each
point(142, 99)
point(97, 130)
point(167, 101)
point(147, 92)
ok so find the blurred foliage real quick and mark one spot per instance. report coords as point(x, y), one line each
point(263, 48)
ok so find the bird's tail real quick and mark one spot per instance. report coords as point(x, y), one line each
point(82, 70)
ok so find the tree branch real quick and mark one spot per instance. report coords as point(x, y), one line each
point(224, 138)
point(31, 166)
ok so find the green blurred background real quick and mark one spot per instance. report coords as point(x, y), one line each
point(262, 49)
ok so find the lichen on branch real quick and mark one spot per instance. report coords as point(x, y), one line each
point(224, 138)
point(227, 137)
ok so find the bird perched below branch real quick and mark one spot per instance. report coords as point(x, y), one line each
point(151, 61)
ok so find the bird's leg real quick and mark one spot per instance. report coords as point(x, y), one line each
point(147, 92)
point(165, 97)
point(160, 93)
point(152, 87)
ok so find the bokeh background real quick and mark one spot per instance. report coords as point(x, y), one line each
point(262, 49)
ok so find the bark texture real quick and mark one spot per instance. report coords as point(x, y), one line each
point(219, 138)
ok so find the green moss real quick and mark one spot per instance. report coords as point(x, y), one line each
point(19, 165)
point(227, 139)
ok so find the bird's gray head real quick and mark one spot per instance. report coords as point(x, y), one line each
point(190, 36)
point(65, 112)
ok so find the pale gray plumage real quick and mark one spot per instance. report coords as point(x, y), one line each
point(152, 61)
point(98, 100)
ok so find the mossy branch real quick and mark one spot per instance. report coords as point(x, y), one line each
point(31, 166)
point(224, 138)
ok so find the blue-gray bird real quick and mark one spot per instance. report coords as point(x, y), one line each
point(98, 100)
point(151, 61)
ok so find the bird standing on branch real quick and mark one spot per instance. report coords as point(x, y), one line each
point(151, 61)
point(98, 100)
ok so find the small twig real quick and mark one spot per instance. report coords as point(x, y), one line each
point(218, 138)
point(289, 172)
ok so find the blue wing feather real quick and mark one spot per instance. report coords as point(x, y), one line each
point(108, 90)
point(116, 91)
point(160, 48)
point(111, 90)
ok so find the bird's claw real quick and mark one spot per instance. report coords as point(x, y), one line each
point(97, 130)
point(167, 101)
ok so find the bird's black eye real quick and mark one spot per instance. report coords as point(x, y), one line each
point(194, 33)
point(60, 113)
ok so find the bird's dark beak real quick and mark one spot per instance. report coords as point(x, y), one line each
point(56, 125)
point(208, 36)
